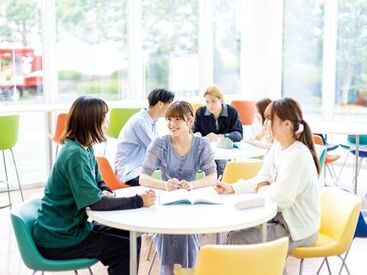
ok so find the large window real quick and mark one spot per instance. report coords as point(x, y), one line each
point(170, 30)
point(351, 66)
point(302, 51)
point(91, 48)
point(227, 38)
point(20, 51)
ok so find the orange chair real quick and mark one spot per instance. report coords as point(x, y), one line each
point(329, 158)
point(246, 110)
point(107, 174)
point(61, 121)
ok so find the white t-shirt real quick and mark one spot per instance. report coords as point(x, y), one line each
point(293, 186)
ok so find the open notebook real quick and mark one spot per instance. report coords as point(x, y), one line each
point(197, 196)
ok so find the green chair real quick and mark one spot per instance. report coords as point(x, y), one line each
point(9, 126)
point(23, 219)
point(118, 118)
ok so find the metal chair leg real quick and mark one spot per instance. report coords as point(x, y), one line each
point(90, 271)
point(16, 172)
point(328, 266)
point(322, 264)
point(301, 267)
point(76, 272)
point(149, 250)
point(344, 264)
point(152, 262)
point(6, 178)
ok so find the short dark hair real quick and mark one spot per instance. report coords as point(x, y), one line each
point(85, 120)
point(162, 95)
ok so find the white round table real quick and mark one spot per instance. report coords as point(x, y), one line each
point(244, 150)
point(183, 219)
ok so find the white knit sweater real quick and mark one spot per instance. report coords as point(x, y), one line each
point(293, 186)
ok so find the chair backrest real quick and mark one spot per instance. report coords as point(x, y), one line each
point(321, 150)
point(196, 106)
point(236, 170)
point(118, 118)
point(107, 174)
point(362, 139)
point(9, 127)
point(245, 109)
point(339, 216)
point(361, 230)
point(60, 127)
point(23, 219)
point(256, 259)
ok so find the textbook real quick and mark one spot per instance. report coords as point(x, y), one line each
point(196, 196)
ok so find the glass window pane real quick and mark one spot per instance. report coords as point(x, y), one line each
point(227, 45)
point(351, 66)
point(91, 49)
point(170, 31)
point(302, 52)
point(20, 52)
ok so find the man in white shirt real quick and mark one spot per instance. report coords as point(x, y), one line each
point(137, 134)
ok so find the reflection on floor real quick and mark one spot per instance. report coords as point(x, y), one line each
point(12, 264)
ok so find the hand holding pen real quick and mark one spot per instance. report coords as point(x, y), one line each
point(172, 184)
point(223, 188)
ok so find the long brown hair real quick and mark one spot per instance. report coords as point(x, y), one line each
point(85, 120)
point(261, 106)
point(289, 109)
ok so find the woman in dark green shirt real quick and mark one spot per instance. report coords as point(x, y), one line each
point(62, 230)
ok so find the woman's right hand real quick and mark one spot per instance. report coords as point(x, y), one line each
point(172, 184)
point(223, 188)
point(148, 198)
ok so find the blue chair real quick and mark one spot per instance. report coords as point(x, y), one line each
point(23, 219)
point(350, 146)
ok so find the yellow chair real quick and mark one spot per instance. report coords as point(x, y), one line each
point(196, 106)
point(236, 170)
point(339, 217)
point(255, 259)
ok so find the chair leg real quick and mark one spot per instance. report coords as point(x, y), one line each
point(341, 169)
point(344, 264)
point(16, 172)
point(152, 262)
point(90, 271)
point(301, 266)
point(150, 250)
point(328, 266)
point(6, 178)
point(76, 272)
point(322, 264)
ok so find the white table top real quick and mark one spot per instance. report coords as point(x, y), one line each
point(185, 219)
point(245, 150)
point(342, 127)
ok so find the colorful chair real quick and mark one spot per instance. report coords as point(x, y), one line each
point(246, 110)
point(118, 118)
point(339, 216)
point(60, 127)
point(350, 146)
point(329, 159)
point(255, 259)
point(107, 174)
point(236, 170)
point(9, 127)
point(23, 219)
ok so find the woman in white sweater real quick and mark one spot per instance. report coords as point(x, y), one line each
point(289, 177)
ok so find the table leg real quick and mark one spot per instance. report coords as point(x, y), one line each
point(264, 231)
point(356, 165)
point(133, 254)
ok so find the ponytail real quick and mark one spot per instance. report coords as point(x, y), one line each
point(303, 134)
